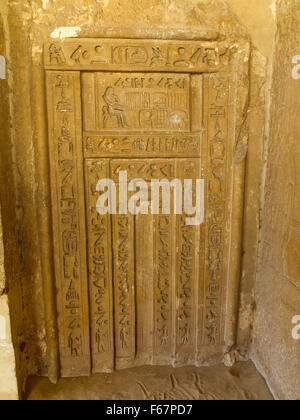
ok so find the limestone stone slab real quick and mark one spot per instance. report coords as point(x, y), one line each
point(154, 291)
point(141, 55)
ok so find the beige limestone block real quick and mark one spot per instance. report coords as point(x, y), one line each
point(277, 293)
point(8, 382)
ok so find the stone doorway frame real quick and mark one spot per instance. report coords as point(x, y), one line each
point(238, 69)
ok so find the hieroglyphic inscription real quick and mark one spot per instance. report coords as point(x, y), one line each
point(124, 281)
point(163, 303)
point(136, 102)
point(139, 55)
point(100, 271)
point(187, 272)
point(137, 145)
point(68, 216)
point(217, 137)
point(124, 287)
point(164, 273)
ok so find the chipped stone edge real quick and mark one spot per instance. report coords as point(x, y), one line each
point(66, 32)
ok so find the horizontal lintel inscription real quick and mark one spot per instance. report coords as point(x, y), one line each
point(137, 145)
point(143, 55)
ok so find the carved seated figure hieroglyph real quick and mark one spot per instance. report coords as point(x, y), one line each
point(113, 109)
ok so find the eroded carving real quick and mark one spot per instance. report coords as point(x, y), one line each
point(100, 271)
point(180, 390)
point(156, 285)
point(136, 102)
point(216, 184)
point(137, 145)
point(69, 235)
point(150, 55)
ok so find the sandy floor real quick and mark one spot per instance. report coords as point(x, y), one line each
point(241, 382)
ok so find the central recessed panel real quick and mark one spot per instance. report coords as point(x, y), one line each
point(136, 102)
point(143, 270)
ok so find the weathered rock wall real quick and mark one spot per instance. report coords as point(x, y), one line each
point(277, 288)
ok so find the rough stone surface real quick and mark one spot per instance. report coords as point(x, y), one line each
point(258, 17)
point(277, 289)
point(241, 382)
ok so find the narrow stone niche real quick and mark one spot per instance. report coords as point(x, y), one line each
point(145, 300)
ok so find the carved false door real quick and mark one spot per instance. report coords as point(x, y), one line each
point(144, 289)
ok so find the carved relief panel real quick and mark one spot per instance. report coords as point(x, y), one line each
point(143, 289)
